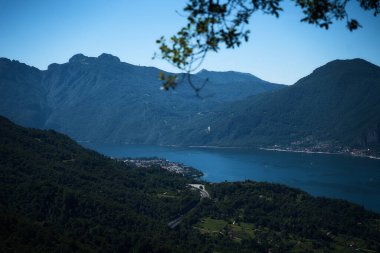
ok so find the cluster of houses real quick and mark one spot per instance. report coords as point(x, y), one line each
point(164, 164)
point(326, 148)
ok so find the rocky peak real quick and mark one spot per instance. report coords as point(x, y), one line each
point(109, 58)
point(78, 58)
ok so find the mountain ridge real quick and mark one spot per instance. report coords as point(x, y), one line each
point(336, 105)
point(101, 99)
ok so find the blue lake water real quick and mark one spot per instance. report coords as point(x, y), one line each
point(338, 176)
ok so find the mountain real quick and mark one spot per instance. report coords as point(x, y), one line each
point(22, 96)
point(234, 84)
point(335, 108)
point(56, 196)
point(338, 105)
point(103, 99)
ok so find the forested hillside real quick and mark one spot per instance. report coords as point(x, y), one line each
point(56, 196)
point(336, 106)
point(103, 99)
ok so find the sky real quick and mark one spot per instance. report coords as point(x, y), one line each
point(281, 50)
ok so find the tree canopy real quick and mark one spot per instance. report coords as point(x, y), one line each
point(212, 24)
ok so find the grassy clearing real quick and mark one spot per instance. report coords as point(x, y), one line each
point(236, 231)
point(210, 225)
point(343, 244)
point(246, 231)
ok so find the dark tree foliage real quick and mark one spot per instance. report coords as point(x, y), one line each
point(281, 216)
point(212, 24)
point(56, 196)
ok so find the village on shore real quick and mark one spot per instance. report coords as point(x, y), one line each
point(325, 149)
point(164, 164)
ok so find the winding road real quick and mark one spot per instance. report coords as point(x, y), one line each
point(204, 194)
point(202, 189)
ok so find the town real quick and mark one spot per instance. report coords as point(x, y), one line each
point(324, 148)
point(173, 167)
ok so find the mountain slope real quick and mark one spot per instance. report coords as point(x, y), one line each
point(337, 105)
point(22, 96)
point(56, 196)
point(234, 84)
point(103, 99)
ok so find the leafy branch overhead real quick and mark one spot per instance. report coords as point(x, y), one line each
point(212, 24)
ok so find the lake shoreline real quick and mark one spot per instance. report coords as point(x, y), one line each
point(336, 176)
point(321, 152)
point(349, 153)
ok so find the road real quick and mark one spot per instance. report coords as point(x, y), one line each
point(204, 194)
point(175, 222)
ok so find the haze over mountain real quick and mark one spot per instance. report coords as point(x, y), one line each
point(336, 105)
point(103, 99)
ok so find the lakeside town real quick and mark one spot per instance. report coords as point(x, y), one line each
point(324, 148)
point(164, 164)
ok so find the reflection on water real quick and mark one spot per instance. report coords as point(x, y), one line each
point(352, 178)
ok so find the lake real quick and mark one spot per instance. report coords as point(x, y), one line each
point(354, 179)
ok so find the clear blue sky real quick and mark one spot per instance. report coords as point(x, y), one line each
point(282, 50)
